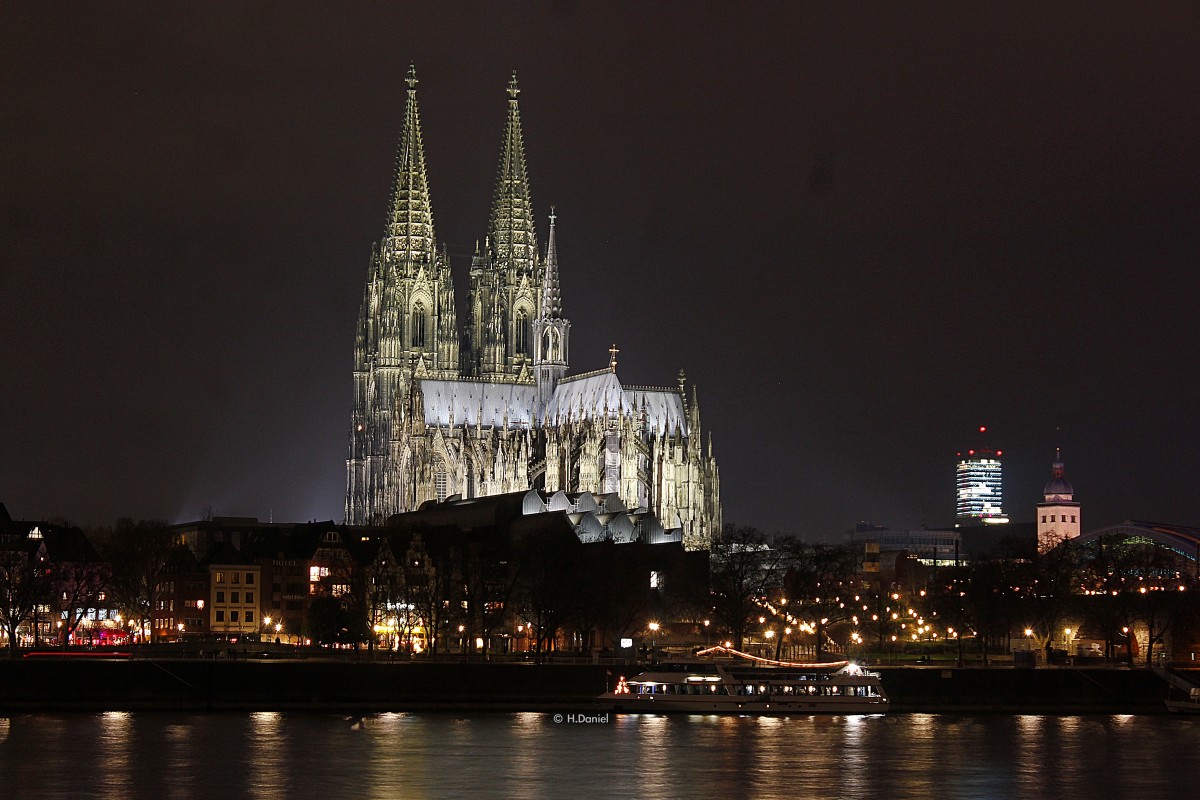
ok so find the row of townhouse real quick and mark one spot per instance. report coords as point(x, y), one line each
point(231, 577)
point(53, 586)
point(458, 574)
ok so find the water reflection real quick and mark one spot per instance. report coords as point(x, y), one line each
point(529, 756)
point(112, 758)
point(265, 746)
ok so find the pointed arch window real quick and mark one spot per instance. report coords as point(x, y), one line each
point(523, 332)
point(418, 325)
point(441, 482)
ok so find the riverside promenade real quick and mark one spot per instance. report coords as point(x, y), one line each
point(349, 681)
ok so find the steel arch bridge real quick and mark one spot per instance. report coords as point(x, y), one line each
point(1181, 540)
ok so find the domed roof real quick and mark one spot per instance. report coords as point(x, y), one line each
point(1059, 487)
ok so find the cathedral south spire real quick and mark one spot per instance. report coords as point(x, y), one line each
point(511, 226)
point(408, 239)
point(506, 281)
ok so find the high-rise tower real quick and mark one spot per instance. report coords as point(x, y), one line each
point(979, 486)
point(1058, 514)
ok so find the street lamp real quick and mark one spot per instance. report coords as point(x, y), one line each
point(769, 635)
point(653, 626)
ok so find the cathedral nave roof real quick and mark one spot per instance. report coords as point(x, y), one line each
point(478, 403)
point(602, 391)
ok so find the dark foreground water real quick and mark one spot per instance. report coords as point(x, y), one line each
point(276, 755)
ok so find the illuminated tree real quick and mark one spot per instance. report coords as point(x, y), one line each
point(75, 588)
point(429, 576)
point(820, 584)
point(744, 572)
point(137, 553)
point(24, 585)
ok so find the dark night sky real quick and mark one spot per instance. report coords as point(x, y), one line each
point(862, 233)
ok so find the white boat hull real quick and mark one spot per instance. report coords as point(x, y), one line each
point(651, 704)
point(714, 689)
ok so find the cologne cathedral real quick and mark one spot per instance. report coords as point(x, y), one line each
point(442, 412)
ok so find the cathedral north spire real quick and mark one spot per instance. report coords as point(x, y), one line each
point(409, 237)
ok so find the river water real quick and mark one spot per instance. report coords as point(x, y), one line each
point(288, 755)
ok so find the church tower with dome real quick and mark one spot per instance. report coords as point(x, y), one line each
point(1058, 514)
point(442, 414)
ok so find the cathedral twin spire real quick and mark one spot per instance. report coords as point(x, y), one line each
point(511, 229)
point(409, 236)
point(418, 383)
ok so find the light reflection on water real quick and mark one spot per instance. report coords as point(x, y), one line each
point(272, 754)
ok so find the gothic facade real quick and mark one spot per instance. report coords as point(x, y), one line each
point(440, 413)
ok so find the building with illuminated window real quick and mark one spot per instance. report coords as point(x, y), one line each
point(979, 486)
point(441, 413)
point(1058, 517)
point(234, 596)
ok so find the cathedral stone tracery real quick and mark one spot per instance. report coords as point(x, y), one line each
point(494, 411)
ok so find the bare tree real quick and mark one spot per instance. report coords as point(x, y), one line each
point(820, 583)
point(138, 552)
point(744, 572)
point(77, 587)
point(24, 585)
point(550, 564)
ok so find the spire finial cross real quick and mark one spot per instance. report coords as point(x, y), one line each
point(552, 216)
point(513, 91)
point(411, 80)
point(612, 357)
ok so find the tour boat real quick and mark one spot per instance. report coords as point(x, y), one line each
point(713, 688)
